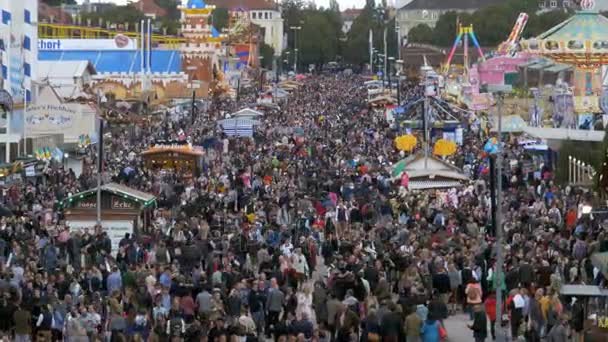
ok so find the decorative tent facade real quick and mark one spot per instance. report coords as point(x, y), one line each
point(431, 173)
point(183, 159)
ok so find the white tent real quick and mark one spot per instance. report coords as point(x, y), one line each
point(247, 113)
point(238, 127)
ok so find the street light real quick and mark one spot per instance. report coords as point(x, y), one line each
point(398, 30)
point(499, 90)
point(295, 46)
point(390, 86)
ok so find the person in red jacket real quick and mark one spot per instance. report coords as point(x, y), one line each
point(490, 305)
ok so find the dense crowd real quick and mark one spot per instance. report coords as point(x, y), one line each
point(299, 233)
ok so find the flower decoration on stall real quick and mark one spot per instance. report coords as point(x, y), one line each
point(406, 142)
point(444, 148)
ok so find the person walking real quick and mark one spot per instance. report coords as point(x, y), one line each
point(430, 331)
point(274, 305)
point(413, 326)
point(480, 324)
point(490, 306)
point(23, 325)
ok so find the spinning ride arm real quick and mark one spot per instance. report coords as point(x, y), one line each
point(453, 50)
point(476, 42)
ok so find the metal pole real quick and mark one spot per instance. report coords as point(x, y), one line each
point(193, 106)
point(399, 90)
point(24, 122)
point(398, 29)
point(99, 169)
point(499, 233)
point(238, 89)
point(569, 169)
point(426, 132)
point(388, 76)
point(385, 56)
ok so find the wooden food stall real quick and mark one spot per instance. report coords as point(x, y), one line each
point(123, 210)
point(181, 158)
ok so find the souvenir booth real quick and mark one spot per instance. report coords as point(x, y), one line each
point(123, 210)
point(179, 157)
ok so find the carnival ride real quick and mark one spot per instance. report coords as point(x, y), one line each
point(464, 33)
point(462, 84)
point(580, 41)
point(511, 45)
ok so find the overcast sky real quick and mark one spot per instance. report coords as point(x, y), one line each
point(344, 4)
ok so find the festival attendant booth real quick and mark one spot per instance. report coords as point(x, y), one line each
point(179, 156)
point(123, 210)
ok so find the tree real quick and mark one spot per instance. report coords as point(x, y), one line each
point(117, 15)
point(267, 52)
point(173, 12)
point(334, 6)
point(292, 13)
point(219, 18)
point(59, 2)
point(421, 33)
point(492, 24)
point(318, 39)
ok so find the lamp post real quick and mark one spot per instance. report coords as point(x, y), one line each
point(398, 30)
point(295, 46)
point(388, 75)
point(500, 90)
point(381, 58)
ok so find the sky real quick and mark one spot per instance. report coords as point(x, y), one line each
point(344, 4)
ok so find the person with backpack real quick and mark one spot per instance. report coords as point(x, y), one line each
point(430, 330)
point(176, 327)
point(473, 295)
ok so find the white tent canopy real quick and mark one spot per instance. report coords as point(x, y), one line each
point(247, 113)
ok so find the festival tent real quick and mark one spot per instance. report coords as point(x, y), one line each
point(247, 113)
point(238, 127)
point(382, 100)
point(510, 124)
point(430, 174)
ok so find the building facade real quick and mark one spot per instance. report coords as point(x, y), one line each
point(265, 14)
point(551, 5)
point(19, 46)
point(427, 12)
point(348, 17)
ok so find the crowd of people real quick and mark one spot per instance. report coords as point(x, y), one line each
point(299, 233)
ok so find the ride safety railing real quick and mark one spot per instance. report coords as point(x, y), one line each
point(61, 31)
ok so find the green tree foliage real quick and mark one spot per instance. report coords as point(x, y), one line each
point(318, 40)
point(59, 2)
point(492, 24)
point(219, 18)
point(357, 44)
point(421, 33)
point(267, 52)
point(117, 15)
point(173, 12)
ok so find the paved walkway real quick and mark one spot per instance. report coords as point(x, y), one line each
point(457, 329)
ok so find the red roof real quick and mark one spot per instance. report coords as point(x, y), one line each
point(45, 12)
point(351, 13)
point(150, 7)
point(233, 5)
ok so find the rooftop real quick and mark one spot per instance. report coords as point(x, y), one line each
point(449, 4)
point(245, 5)
point(150, 7)
point(59, 16)
point(351, 13)
point(118, 61)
